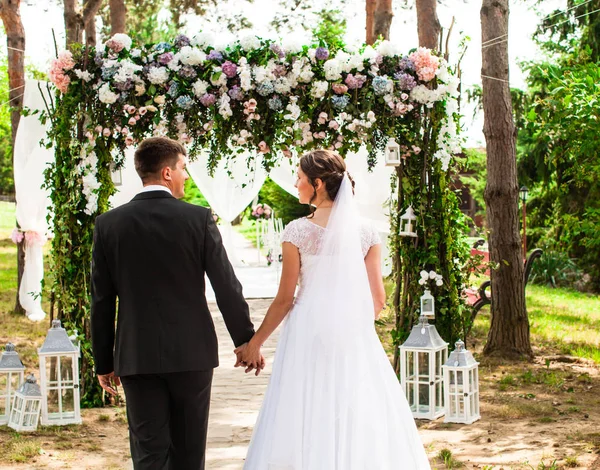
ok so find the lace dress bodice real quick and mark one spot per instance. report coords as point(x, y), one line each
point(307, 237)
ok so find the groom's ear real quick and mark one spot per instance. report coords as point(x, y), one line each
point(166, 173)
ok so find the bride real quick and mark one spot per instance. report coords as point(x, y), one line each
point(333, 401)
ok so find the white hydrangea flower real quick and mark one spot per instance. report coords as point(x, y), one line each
point(200, 87)
point(83, 75)
point(355, 61)
point(369, 53)
point(250, 42)
point(105, 95)
point(283, 86)
point(135, 53)
point(123, 40)
point(387, 49)
point(319, 89)
point(203, 40)
point(245, 74)
point(191, 56)
point(293, 108)
point(158, 75)
point(292, 44)
point(333, 69)
point(126, 71)
point(224, 107)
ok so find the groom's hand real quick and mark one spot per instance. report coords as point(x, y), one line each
point(109, 382)
point(249, 356)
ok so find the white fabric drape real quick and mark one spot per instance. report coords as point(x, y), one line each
point(228, 195)
point(30, 161)
point(284, 175)
point(131, 182)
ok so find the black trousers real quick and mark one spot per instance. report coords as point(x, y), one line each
point(168, 419)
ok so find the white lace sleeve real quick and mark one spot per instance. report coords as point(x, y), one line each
point(369, 237)
point(292, 234)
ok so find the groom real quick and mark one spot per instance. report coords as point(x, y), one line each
point(152, 254)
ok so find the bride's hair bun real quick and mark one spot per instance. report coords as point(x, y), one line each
point(328, 166)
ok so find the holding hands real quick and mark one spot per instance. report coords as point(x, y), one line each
point(248, 355)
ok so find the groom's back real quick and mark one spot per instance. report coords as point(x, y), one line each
point(154, 248)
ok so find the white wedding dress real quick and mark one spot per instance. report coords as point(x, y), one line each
point(333, 400)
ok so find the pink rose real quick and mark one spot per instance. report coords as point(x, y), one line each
point(128, 140)
point(143, 110)
point(263, 147)
point(125, 131)
point(334, 125)
point(98, 129)
point(131, 121)
point(106, 132)
point(339, 88)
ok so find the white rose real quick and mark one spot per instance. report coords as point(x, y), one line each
point(160, 99)
point(83, 75)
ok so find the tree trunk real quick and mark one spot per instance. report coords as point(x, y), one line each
point(428, 24)
point(73, 23)
point(370, 7)
point(77, 21)
point(118, 15)
point(90, 27)
point(15, 38)
point(509, 330)
point(379, 19)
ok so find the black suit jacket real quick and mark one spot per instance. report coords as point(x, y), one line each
point(152, 254)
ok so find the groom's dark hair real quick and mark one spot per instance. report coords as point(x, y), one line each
point(154, 154)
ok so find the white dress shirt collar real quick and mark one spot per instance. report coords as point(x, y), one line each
point(155, 187)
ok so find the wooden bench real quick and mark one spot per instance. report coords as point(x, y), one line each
point(483, 298)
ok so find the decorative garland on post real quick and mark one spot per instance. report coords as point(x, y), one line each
point(273, 99)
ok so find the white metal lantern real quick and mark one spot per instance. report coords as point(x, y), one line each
point(59, 378)
point(428, 304)
point(25, 408)
point(461, 386)
point(421, 360)
point(392, 153)
point(407, 223)
point(12, 372)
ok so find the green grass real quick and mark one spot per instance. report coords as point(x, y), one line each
point(562, 321)
point(7, 219)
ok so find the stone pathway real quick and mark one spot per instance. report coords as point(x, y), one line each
point(236, 396)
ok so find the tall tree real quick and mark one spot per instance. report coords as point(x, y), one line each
point(118, 15)
point(15, 41)
point(77, 17)
point(379, 19)
point(428, 24)
point(509, 330)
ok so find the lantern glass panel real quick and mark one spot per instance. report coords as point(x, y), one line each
point(410, 362)
point(52, 400)
point(66, 371)
point(427, 306)
point(423, 398)
point(439, 393)
point(439, 361)
point(52, 371)
point(423, 365)
point(411, 396)
point(68, 402)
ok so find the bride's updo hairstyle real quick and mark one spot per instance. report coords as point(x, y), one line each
point(326, 165)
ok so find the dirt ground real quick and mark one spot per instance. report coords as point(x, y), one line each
point(540, 415)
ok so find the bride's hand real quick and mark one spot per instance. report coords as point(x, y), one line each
point(249, 356)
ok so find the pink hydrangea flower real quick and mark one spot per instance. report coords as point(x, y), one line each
point(426, 64)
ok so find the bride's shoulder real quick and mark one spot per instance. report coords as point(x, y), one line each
point(292, 232)
point(369, 232)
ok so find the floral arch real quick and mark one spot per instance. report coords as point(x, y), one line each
point(275, 100)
